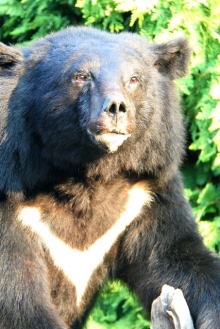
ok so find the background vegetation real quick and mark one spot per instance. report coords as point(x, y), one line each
point(158, 20)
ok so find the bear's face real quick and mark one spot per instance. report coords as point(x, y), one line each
point(112, 92)
point(86, 98)
point(97, 90)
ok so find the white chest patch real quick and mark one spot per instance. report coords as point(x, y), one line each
point(77, 265)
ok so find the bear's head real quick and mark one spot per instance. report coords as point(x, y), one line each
point(82, 99)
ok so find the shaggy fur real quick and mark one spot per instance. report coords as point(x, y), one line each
point(91, 139)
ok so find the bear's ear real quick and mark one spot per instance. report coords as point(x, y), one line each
point(9, 56)
point(172, 58)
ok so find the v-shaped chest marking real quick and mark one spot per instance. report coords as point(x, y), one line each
point(78, 266)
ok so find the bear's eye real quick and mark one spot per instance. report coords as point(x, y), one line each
point(133, 80)
point(80, 77)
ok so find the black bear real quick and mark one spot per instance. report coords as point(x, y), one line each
point(91, 139)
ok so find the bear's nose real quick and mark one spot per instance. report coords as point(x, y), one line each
point(114, 107)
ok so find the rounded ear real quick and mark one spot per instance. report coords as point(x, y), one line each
point(172, 58)
point(9, 56)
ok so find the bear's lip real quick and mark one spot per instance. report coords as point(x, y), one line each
point(108, 142)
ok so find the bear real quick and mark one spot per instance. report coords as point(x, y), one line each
point(91, 143)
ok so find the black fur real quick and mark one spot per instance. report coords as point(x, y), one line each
point(60, 97)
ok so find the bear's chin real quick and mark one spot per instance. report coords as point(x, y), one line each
point(108, 142)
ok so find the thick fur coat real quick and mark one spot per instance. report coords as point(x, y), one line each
point(91, 139)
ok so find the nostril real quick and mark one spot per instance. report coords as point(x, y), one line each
point(122, 108)
point(112, 109)
point(115, 108)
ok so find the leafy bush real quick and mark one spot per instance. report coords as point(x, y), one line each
point(30, 19)
point(117, 308)
point(158, 20)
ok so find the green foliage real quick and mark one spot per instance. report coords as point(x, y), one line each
point(117, 308)
point(30, 19)
point(158, 20)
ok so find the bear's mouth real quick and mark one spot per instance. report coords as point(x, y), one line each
point(108, 142)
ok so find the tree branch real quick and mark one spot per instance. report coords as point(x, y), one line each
point(170, 310)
